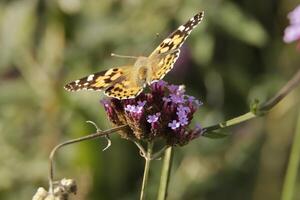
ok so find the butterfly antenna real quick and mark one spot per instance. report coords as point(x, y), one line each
point(122, 56)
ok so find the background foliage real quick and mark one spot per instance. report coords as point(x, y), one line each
point(233, 57)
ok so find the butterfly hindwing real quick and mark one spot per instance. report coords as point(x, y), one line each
point(165, 65)
point(123, 90)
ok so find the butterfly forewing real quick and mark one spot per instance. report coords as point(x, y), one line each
point(168, 51)
point(176, 39)
point(97, 81)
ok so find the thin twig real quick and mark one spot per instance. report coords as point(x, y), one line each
point(283, 92)
point(98, 134)
point(266, 107)
point(143, 153)
point(106, 136)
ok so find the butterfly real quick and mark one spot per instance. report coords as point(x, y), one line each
point(128, 81)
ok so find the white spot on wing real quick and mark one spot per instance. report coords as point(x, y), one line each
point(167, 40)
point(90, 77)
point(181, 28)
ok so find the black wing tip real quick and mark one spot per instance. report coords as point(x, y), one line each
point(201, 13)
point(70, 87)
point(199, 16)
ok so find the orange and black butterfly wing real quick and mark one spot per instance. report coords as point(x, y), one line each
point(116, 82)
point(168, 51)
point(98, 81)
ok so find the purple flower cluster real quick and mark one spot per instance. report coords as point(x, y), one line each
point(292, 32)
point(165, 112)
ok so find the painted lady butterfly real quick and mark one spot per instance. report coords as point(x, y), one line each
point(127, 82)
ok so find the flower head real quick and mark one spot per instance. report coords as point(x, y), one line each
point(164, 112)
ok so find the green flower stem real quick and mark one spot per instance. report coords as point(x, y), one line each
point(148, 158)
point(258, 110)
point(165, 174)
point(293, 166)
point(245, 117)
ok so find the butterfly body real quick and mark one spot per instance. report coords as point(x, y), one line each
point(143, 66)
point(128, 81)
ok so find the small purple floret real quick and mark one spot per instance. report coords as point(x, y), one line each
point(173, 88)
point(183, 120)
point(141, 103)
point(176, 98)
point(183, 109)
point(174, 124)
point(130, 108)
point(153, 118)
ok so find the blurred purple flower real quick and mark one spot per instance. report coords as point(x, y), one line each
point(183, 120)
point(294, 16)
point(165, 112)
point(176, 98)
point(184, 109)
point(141, 103)
point(292, 32)
point(129, 108)
point(173, 88)
point(153, 118)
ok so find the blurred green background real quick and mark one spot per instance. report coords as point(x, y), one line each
point(233, 57)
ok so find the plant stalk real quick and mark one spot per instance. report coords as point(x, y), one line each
point(148, 158)
point(293, 166)
point(165, 174)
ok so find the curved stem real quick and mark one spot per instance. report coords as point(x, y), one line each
point(165, 174)
point(140, 147)
point(146, 170)
point(98, 134)
point(285, 90)
point(264, 108)
point(293, 165)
